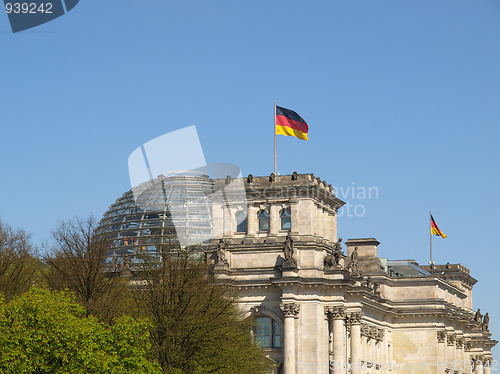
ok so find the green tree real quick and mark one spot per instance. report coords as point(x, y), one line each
point(197, 328)
point(44, 332)
point(18, 264)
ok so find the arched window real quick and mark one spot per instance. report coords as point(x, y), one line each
point(263, 220)
point(267, 333)
point(241, 221)
point(286, 219)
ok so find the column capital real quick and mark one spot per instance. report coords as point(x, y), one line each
point(460, 342)
point(336, 312)
point(441, 336)
point(467, 344)
point(290, 309)
point(488, 361)
point(478, 359)
point(355, 318)
point(450, 338)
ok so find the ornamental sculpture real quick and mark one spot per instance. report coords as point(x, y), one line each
point(486, 322)
point(353, 263)
point(467, 345)
point(329, 261)
point(478, 317)
point(336, 312)
point(450, 339)
point(290, 309)
point(356, 317)
point(259, 309)
point(337, 251)
point(221, 252)
point(288, 252)
point(333, 259)
point(372, 332)
point(441, 336)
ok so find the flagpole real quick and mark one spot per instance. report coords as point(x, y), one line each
point(275, 147)
point(430, 235)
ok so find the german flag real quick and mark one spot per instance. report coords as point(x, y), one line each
point(435, 229)
point(289, 123)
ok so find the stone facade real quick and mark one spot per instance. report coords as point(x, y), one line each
point(318, 310)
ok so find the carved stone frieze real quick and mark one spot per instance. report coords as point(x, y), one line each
point(365, 330)
point(372, 332)
point(380, 334)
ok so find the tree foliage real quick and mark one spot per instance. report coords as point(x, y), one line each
point(196, 325)
point(18, 265)
point(76, 261)
point(45, 332)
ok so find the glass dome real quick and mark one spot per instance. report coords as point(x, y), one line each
point(171, 211)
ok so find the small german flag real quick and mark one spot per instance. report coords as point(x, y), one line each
point(289, 123)
point(435, 229)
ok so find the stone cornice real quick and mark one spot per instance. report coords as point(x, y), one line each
point(288, 187)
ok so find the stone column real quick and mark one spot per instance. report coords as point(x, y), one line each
point(355, 320)
point(441, 349)
point(290, 312)
point(252, 220)
point(459, 353)
point(337, 318)
point(274, 219)
point(487, 365)
point(467, 347)
point(450, 352)
point(478, 361)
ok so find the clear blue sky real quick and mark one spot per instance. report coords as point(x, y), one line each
point(399, 95)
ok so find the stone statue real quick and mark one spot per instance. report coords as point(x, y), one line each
point(334, 258)
point(376, 289)
point(337, 251)
point(329, 261)
point(486, 322)
point(221, 252)
point(288, 248)
point(353, 263)
point(368, 282)
point(478, 317)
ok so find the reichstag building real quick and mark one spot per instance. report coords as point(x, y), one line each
point(316, 304)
